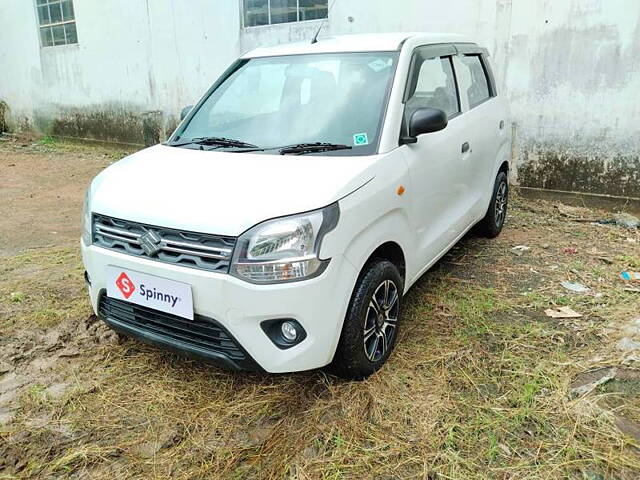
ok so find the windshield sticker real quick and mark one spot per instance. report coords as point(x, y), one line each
point(379, 65)
point(360, 139)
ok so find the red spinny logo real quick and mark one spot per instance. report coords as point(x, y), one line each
point(125, 285)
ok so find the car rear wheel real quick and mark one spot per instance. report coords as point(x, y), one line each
point(371, 325)
point(491, 225)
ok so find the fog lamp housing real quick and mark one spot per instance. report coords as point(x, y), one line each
point(284, 333)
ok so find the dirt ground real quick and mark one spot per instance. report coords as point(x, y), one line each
point(482, 384)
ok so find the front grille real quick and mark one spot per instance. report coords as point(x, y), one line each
point(203, 333)
point(189, 249)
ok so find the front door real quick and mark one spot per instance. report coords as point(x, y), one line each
point(440, 190)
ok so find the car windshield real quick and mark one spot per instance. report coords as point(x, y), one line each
point(277, 102)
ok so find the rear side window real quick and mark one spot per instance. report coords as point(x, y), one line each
point(435, 87)
point(473, 80)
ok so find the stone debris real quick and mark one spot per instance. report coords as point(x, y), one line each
point(562, 312)
point(588, 381)
point(628, 427)
point(626, 220)
point(520, 250)
point(573, 213)
point(627, 344)
point(632, 329)
point(575, 287)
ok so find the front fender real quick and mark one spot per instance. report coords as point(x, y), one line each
point(384, 230)
point(375, 214)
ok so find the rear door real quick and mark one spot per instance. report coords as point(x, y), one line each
point(439, 190)
point(486, 125)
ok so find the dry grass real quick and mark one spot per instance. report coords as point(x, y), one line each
point(41, 287)
point(476, 389)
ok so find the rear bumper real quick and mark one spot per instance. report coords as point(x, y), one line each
point(318, 304)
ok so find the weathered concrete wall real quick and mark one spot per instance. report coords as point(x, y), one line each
point(571, 69)
point(573, 77)
point(134, 58)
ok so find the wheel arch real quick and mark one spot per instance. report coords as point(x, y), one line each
point(391, 251)
point(384, 239)
point(502, 165)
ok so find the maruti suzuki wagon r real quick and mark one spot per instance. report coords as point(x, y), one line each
point(281, 224)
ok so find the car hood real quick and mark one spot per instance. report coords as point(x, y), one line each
point(221, 192)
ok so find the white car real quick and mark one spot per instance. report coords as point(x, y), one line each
point(280, 226)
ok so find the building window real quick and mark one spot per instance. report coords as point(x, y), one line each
point(57, 22)
point(269, 12)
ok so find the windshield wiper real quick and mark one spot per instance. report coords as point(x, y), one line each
point(215, 141)
point(302, 148)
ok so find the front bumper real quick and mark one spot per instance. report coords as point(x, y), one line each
point(201, 338)
point(239, 308)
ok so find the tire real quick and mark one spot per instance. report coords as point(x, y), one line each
point(491, 225)
point(357, 355)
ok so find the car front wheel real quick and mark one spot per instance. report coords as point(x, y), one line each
point(371, 325)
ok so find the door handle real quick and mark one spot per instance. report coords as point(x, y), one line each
point(466, 147)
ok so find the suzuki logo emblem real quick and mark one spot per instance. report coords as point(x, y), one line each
point(150, 243)
point(125, 285)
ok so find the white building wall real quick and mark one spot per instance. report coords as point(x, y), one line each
point(133, 57)
point(571, 69)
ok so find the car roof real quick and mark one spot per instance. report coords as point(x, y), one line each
point(374, 42)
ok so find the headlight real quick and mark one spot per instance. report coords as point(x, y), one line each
point(284, 249)
point(86, 219)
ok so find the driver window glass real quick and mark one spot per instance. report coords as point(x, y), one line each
point(473, 80)
point(435, 87)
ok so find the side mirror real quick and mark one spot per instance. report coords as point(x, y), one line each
point(425, 120)
point(185, 111)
